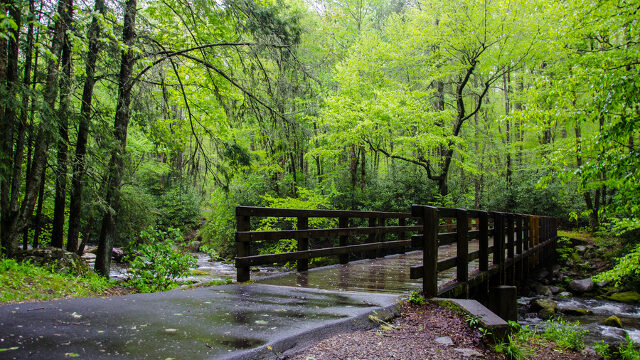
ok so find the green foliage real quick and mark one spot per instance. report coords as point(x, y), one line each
point(602, 349)
point(517, 345)
point(307, 199)
point(218, 233)
point(26, 282)
point(137, 212)
point(155, 265)
point(565, 250)
point(213, 254)
point(567, 334)
point(179, 207)
point(626, 272)
point(628, 350)
point(416, 299)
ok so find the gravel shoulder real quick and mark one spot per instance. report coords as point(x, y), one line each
point(423, 332)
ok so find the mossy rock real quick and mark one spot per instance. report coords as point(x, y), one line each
point(577, 312)
point(55, 259)
point(198, 272)
point(627, 297)
point(613, 321)
point(546, 308)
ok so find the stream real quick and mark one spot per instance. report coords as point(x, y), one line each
point(216, 270)
point(593, 322)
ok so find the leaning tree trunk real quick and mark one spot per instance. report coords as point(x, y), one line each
point(79, 168)
point(116, 164)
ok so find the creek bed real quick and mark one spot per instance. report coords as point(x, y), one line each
point(600, 310)
point(216, 270)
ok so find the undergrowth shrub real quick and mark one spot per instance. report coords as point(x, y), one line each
point(626, 272)
point(567, 334)
point(155, 263)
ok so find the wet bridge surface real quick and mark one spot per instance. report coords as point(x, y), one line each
point(261, 320)
point(381, 275)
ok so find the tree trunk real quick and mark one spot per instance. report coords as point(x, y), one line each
point(505, 83)
point(79, 167)
point(37, 223)
point(57, 232)
point(593, 209)
point(9, 79)
point(116, 164)
point(14, 223)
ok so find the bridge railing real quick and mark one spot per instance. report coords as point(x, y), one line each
point(509, 245)
point(376, 244)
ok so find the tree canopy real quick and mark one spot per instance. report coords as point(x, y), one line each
point(120, 115)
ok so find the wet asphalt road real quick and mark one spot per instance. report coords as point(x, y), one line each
point(230, 321)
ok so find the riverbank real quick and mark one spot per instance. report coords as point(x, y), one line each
point(24, 282)
point(429, 331)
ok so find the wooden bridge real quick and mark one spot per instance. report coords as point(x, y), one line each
point(489, 248)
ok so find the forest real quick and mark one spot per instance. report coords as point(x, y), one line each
point(120, 115)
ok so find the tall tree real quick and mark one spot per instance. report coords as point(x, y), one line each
point(79, 166)
point(121, 123)
point(63, 113)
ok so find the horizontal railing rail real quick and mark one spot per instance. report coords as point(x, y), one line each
point(519, 243)
point(509, 245)
point(375, 244)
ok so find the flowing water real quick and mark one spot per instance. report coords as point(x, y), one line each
point(600, 310)
point(216, 270)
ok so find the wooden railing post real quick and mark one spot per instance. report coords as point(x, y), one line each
point(380, 237)
point(462, 249)
point(401, 235)
point(372, 238)
point(511, 269)
point(303, 243)
point(243, 247)
point(498, 245)
point(520, 262)
point(483, 239)
point(343, 222)
point(429, 217)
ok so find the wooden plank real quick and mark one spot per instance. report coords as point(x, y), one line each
point(483, 239)
point(430, 248)
point(519, 234)
point(243, 248)
point(448, 263)
point(498, 239)
point(444, 212)
point(510, 232)
point(401, 235)
point(373, 238)
point(303, 244)
point(320, 233)
point(416, 272)
point(343, 222)
point(269, 212)
point(284, 257)
point(462, 246)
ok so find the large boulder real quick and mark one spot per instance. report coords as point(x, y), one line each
point(545, 308)
point(581, 286)
point(55, 258)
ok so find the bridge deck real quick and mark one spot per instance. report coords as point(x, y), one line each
point(382, 275)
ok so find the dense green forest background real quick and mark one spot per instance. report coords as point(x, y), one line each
point(120, 115)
